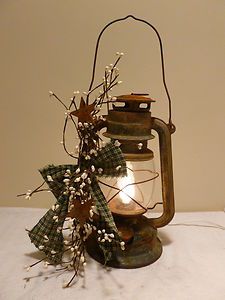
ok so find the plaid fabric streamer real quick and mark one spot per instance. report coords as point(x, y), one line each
point(108, 159)
point(57, 174)
point(106, 220)
point(47, 227)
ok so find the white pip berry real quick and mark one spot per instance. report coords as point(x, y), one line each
point(93, 151)
point(89, 181)
point(98, 107)
point(77, 171)
point(28, 195)
point(82, 185)
point(67, 113)
point(55, 218)
point(56, 206)
point(66, 180)
point(49, 178)
point(77, 179)
point(119, 53)
point(140, 145)
point(114, 98)
point(122, 245)
point(117, 143)
point(84, 175)
point(46, 237)
point(65, 285)
point(100, 170)
point(27, 268)
point(59, 229)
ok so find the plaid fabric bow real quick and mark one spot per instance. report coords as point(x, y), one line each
point(47, 233)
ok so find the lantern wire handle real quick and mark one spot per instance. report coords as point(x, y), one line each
point(170, 124)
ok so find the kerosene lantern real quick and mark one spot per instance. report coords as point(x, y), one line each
point(131, 124)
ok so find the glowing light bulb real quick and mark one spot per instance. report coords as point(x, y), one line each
point(125, 184)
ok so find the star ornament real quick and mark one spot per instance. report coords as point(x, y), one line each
point(81, 212)
point(84, 112)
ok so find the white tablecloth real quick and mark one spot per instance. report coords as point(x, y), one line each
point(191, 267)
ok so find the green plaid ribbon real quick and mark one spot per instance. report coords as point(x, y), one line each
point(47, 226)
point(46, 235)
point(108, 159)
point(105, 221)
point(57, 174)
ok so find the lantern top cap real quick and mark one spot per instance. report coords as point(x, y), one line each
point(135, 97)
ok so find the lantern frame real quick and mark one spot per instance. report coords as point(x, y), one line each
point(143, 247)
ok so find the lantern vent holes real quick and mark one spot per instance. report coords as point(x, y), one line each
point(119, 105)
point(132, 106)
point(133, 103)
point(143, 105)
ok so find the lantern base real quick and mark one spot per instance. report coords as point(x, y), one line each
point(142, 245)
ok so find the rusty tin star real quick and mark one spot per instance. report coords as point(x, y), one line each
point(84, 112)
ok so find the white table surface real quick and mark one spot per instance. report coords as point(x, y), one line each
point(192, 265)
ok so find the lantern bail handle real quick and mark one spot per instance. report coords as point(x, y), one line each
point(170, 124)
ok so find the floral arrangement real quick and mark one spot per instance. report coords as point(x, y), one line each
point(81, 208)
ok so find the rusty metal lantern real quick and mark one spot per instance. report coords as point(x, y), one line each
point(130, 122)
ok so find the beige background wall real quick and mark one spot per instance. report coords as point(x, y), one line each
point(49, 45)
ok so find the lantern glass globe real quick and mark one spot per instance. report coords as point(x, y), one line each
point(131, 195)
